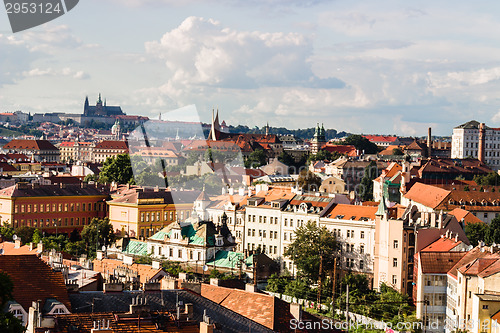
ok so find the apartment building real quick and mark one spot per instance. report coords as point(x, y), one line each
point(474, 139)
point(52, 208)
point(354, 228)
point(141, 212)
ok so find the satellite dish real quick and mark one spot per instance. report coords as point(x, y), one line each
point(14, 237)
point(205, 268)
point(103, 248)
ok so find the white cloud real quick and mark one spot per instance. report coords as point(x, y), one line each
point(68, 72)
point(203, 52)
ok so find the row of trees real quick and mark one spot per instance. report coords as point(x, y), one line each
point(313, 251)
point(490, 234)
point(98, 232)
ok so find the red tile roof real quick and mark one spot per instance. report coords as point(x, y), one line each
point(351, 212)
point(112, 145)
point(29, 145)
point(442, 245)
point(380, 138)
point(427, 195)
point(467, 258)
point(33, 280)
point(439, 262)
point(467, 216)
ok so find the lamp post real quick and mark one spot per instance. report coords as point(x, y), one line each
point(55, 224)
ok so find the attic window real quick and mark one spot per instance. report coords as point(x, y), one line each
point(339, 216)
point(451, 202)
point(353, 217)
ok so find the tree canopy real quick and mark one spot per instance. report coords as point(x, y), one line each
point(309, 244)
point(97, 233)
point(256, 159)
point(371, 172)
point(118, 169)
point(308, 181)
point(475, 232)
point(361, 143)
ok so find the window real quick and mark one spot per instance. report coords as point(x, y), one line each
point(485, 306)
point(284, 236)
point(249, 232)
point(361, 264)
point(394, 279)
point(361, 249)
point(362, 234)
point(394, 262)
point(348, 233)
point(395, 244)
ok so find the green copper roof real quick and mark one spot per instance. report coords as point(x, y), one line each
point(226, 259)
point(136, 248)
point(195, 236)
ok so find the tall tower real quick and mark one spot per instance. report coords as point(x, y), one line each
point(319, 139)
point(86, 106)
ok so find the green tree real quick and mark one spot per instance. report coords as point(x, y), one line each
point(97, 233)
point(361, 143)
point(286, 158)
point(37, 236)
point(371, 172)
point(256, 159)
point(308, 181)
point(25, 233)
point(118, 169)
point(397, 152)
point(8, 323)
point(491, 178)
point(277, 283)
point(492, 234)
point(475, 232)
point(6, 232)
point(310, 244)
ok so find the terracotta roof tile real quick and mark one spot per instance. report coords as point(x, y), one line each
point(352, 212)
point(438, 262)
point(442, 245)
point(48, 283)
point(427, 195)
point(30, 145)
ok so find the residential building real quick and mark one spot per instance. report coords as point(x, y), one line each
point(37, 150)
point(141, 212)
point(108, 148)
point(476, 140)
point(263, 214)
point(52, 208)
point(332, 184)
point(382, 140)
point(194, 243)
point(428, 198)
point(388, 183)
point(354, 229)
point(430, 279)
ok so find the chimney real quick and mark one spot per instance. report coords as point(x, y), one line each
point(39, 247)
point(429, 142)
point(481, 145)
point(17, 243)
point(456, 238)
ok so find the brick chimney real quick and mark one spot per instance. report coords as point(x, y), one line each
point(481, 145)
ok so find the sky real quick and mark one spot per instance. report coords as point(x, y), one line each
point(371, 67)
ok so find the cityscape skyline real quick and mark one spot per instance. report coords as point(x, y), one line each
point(362, 68)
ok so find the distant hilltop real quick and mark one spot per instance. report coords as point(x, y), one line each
point(98, 113)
